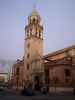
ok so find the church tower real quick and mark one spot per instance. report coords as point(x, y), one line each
point(34, 48)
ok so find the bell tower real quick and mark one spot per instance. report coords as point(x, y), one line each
point(34, 48)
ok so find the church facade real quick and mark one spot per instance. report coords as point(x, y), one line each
point(54, 69)
point(60, 68)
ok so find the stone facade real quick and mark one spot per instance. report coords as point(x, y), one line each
point(57, 67)
point(17, 80)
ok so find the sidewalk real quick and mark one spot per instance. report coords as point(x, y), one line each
point(61, 91)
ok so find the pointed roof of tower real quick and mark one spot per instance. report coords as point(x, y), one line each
point(34, 13)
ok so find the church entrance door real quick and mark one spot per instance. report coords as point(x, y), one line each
point(37, 83)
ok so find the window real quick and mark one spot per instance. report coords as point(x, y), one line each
point(30, 31)
point(28, 55)
point(27, 66)
point(39, 35)
point(67, 72)
point(34, 20)
point(28, 45)
point(27, 31)
point(36, 32)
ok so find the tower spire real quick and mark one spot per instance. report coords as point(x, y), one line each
point(34, 5)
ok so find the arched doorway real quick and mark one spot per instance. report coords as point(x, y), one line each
point(37, 83)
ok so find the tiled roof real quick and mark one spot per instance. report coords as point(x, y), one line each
point(59, 51)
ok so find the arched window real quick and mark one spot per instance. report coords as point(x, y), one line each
point(28, 45)
point(34, 20)
point(28, 55)
point(40, 35)
point(27, 66)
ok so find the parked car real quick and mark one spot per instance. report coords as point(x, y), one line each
point(1, 88)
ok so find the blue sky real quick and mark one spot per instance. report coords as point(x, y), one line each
point(58, 18)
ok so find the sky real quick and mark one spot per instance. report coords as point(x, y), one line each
point(58, 19)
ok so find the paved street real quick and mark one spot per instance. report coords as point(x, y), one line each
point(12, 95)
